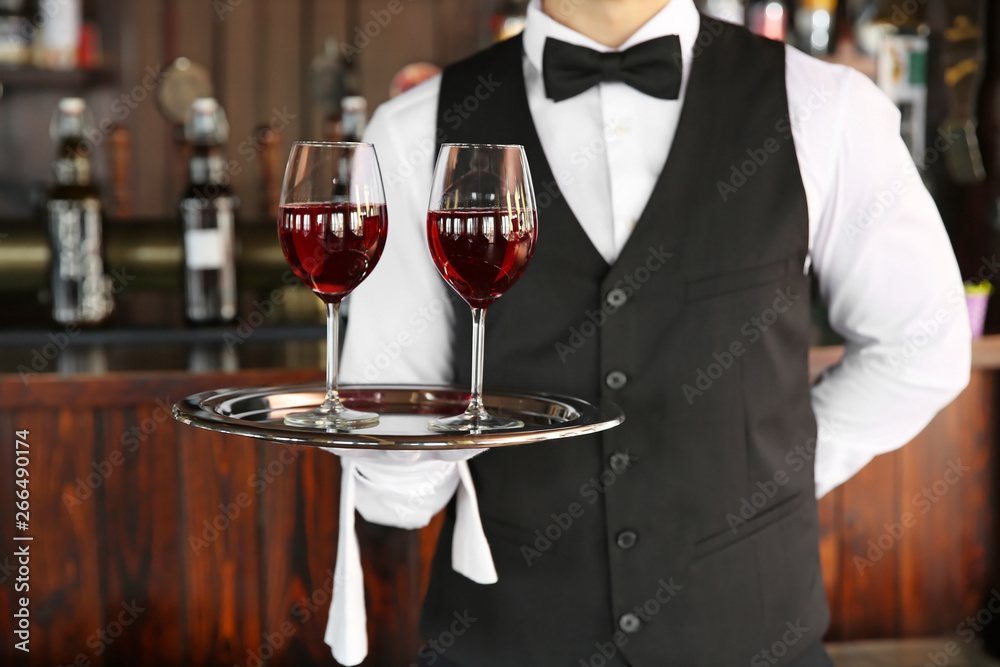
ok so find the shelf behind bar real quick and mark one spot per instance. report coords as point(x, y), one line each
point(16, 78)
point(162, 336)
point(985, 355)
point(151, 249)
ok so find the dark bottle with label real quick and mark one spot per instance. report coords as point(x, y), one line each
point(81, 293)
point(208, 215)
point(353, 117)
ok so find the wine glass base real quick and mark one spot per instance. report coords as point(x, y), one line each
point(342, 419)
point(473, 423)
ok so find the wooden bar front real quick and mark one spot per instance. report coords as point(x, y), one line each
point(219, 550)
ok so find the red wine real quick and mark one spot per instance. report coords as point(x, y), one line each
point(332, 247)
point(481, 252)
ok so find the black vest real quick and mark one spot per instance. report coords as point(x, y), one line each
point(688, 535)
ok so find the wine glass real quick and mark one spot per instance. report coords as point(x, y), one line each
point(481, 229)
point(332, 227)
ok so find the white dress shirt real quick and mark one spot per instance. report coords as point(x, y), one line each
point(876, 242)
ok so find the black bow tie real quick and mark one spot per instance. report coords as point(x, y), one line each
point(652, 67)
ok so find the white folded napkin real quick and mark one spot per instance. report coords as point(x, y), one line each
point(346, 629)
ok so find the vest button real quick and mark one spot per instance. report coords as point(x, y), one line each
point(616, 380)
point(627, 539)
point(620, 462)
point(617, 298)
point(630, 623)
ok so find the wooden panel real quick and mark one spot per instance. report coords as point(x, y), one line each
point(268, 570)
point(977, 430)
point(68, 600)
point(831, 551)
point(392, 592)
point(918, 539)
point(151, 132)
point(238, 74)
point(321, 19)
point(403, 39)
point(193, 36)
point(460, 30)
point(220, 546)
point(8, 563)
point(140, 544)
point(299, 507)
point(868, 587)
point(195, 20)
point(428, 545)
point(280, 106)
point(320, 493)
point(947, 475)
point(929, 545)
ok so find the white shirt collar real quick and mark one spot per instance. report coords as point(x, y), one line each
point(679, 17)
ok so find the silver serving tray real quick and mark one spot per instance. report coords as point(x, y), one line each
point(258, 412)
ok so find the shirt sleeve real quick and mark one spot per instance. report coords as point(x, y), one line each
point(886, 270)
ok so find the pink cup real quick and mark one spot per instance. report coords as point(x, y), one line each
point(977, 312)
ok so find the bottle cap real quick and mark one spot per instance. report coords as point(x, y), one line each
point(354, 104)
point(206, 123)
point(68, 119)
point(72, 105)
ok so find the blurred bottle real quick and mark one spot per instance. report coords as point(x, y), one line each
point(869, 27)
point(208, 218)
point(15, 32)
point(901, 73)
point(733, 11)
point(86, 359)
point(207, 357)
point(353, 117)
point(814, 26)
point(58, 43)
point(333, 77)
point(508, 19)
point(768, 18)
point(81, 293)
point(962, 58)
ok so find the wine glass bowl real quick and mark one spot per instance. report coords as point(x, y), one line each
point(481, 231)
point(332, 226)
point(332, 247)
point(481, 252)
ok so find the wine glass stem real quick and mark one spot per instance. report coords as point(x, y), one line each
point(332, 354)
point(478, 350)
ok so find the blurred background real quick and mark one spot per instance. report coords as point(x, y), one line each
point(141, 150)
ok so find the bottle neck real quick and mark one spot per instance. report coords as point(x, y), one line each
point(72, 167)
point(353, 124)
point(207, 166)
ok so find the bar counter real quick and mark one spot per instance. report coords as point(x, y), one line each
point(228, 544)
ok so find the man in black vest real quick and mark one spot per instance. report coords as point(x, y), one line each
point(688, 176)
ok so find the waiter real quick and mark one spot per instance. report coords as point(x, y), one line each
point(689, 175)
